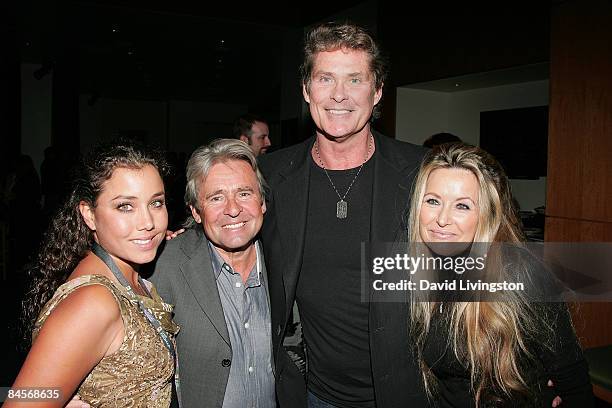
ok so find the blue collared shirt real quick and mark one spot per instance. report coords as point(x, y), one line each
point(247, 317)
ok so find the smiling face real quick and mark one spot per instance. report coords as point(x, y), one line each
point(129, 219)
point(449, 210)
point(341, 94)
point(231, 207)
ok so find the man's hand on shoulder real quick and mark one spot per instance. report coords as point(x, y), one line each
point(557, 400)
point(173, 234)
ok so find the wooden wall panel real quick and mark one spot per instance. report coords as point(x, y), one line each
point(579, 183)
point(580, 118)
point(592, 320)
point(575, 230)
point(593, 323)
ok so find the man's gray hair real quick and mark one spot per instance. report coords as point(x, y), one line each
point(205, 157)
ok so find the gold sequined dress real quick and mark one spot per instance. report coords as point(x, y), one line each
point(140, 372)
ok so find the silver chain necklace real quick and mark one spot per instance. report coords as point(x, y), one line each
point(342, 205)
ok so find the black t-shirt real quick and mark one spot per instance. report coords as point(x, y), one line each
point(334, 317)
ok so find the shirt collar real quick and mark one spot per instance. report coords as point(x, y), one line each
point(218, 262)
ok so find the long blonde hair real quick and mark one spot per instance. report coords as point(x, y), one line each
point(491, 336)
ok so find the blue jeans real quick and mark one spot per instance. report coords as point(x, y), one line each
point(315, 402)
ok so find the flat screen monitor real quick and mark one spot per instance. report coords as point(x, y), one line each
point(518, 138)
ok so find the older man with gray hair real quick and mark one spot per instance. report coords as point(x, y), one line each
point(216, 279)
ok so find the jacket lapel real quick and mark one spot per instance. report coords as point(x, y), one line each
point(200, 277)
point(391, 193)
point(292, 193)
point(393, 178)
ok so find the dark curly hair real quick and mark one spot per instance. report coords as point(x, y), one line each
point(68, 238)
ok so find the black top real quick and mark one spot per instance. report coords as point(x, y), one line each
point(558, 357)
point(329, 293)
point(396, 379)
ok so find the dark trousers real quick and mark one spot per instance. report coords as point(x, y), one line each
point(315, 402)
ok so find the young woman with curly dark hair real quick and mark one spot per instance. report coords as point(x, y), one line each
point(99, 329)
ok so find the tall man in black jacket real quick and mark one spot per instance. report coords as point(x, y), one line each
point(346, 185)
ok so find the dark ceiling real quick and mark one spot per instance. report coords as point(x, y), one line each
point(234, 52)
point(182, 49)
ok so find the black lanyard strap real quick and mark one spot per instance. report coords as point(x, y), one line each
point(165, 337)
point(106, 258)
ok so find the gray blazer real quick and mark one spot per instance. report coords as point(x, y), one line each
point(184, 277)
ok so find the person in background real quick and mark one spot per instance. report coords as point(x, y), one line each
point(254, 131)
point(440, 138)
point(53, 175)
point(500, 352)
point(99, 329)
point(24, 211)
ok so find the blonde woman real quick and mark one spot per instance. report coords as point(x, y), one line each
point(500, 352)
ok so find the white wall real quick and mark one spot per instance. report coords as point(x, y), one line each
point(421, 113)
point(465, 107)
point(529, 193)
point(35, 113)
